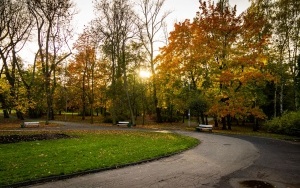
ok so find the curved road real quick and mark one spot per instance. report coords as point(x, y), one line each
point(219, 161)
point(278, 164)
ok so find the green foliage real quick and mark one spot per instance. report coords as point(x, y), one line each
point(288, 123)
point(199, 105)
point(108, 119)
point(170, 118)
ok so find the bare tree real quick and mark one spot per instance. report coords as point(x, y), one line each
point(151, 23)
point(115, 26)
point(52, 24)
point(15, 29)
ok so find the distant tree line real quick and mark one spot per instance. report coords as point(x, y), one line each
point(222, 65)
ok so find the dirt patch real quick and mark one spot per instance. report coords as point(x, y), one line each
point(7, 139)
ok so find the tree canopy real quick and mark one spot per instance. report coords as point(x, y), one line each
point(220, 64)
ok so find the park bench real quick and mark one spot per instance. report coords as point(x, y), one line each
point(204, 127)
point(30, 124)
point(120, 123)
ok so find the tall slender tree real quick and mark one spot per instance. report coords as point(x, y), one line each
point(52, 24)
point(83, 68)
point(286, 34)
point(151, 23)
point(116, 29)
point(15, 29)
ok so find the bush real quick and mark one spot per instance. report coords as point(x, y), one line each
point(288, 123)
point(107, 120)
point(170, 119)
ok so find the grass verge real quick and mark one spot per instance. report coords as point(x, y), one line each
point(247, 131)
point(86, 150)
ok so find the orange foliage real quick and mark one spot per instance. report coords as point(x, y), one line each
point(223, 50)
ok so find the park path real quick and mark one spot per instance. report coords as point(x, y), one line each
point(202, 166)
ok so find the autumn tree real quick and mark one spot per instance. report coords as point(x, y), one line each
point(184, 64)
point(223, 56)
point(239, 60)
point(101, 83)
point(82, 71)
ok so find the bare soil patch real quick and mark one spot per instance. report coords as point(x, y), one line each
point(7, 139)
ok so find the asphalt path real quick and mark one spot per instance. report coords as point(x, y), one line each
point(219, 161)
point(278, 164)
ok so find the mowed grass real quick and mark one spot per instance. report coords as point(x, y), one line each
point(86, 150)
point(248, 131)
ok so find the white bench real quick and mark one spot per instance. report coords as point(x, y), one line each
point(204, 127)
point(123, 123)
point(30, 124)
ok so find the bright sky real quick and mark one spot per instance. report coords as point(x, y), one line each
point(186, 9)
point(181, 10)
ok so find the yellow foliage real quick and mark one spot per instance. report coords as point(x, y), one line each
point(4, 86)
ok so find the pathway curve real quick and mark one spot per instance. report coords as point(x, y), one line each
point(203, 166)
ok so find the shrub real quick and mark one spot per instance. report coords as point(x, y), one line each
point(288, 123)
point(107, 120)
point(170, 119)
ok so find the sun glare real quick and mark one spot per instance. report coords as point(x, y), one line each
point(144, 74)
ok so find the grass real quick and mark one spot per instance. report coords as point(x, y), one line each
point(247, 131)
point(86, 150)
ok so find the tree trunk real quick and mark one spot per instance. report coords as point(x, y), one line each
point(129, 101)
point(48, 107)
point(229, 122)
point(20, 115)
point(297, 85)
point(83, 96)
point(158, 115)
point(224, 123)
point(144, 111)
point(281, 99)
point(92, 97)
point(52, 111)
point(198, 119)
point(275, 101)
point(202, 118)
point(5, 113)
point(255, 125)
point(216, 122)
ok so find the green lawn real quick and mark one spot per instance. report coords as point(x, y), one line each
point(33, 160)
point(248, 131)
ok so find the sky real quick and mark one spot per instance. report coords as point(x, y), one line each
point(180, 10)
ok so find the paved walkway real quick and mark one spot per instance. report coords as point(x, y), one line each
point(278, 164)
point(217, 162)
